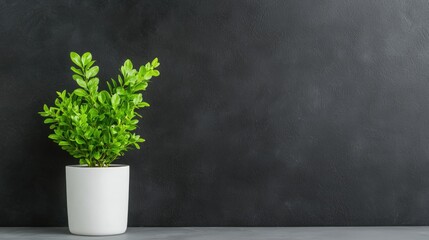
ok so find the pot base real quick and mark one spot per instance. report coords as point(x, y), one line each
point(92, 234)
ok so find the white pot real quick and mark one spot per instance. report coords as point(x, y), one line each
point(97, 199)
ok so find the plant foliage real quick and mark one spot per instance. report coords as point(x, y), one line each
point(95, 126)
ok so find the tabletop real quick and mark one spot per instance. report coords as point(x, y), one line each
point(231, 233)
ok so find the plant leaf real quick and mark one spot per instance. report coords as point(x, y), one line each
point(115, 100)
point(81, 83)
point(140, 87)
point(63, 143)
point(80, 92)
point(128, 64)
point(155, 73)
point(75, 58)
point(86, 58)
point(76, 77)
point(154, 62)
point(97, 155)
point(77, 71)
point(92, 72)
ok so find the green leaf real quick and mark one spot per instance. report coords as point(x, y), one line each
point(77, 71)
point(143, 104)
point(124, 71)
point(75, 59)
point(53, 136)
point(88, 162)
point(114, 84)
point(63, 143)
point(49, 120)
point(109, 86)
point(87, 66)
point(44, 114)
point(106, 137)
point(79, 140)
point(115, 100)
point(97, 155)
point(88, 134)
point(113, 131)
point(128, 64)
point(93, 112)
point(154, 62)
point(80, 92)
point(147, 76)
point(142, 71)
point(101, 98)
point(132, 80)
point(92, 72)
point(140, 87)
point(121, 91)
point(137, 98)
point(93, 82)
point(86, 58)
point(76, 77)
point(130, 127)
point(155, 73)
point(81, 83)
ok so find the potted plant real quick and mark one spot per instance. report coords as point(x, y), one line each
point(96, 127)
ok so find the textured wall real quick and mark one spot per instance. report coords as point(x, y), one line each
point(267, 113)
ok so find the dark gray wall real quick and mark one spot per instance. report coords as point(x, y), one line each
point(267, 113)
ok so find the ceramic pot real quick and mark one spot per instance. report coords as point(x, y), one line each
point(97, 199)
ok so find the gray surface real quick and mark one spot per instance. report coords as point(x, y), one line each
point(293, 233)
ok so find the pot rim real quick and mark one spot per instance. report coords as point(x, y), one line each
point(112, 166)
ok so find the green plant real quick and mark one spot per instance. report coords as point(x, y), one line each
point(95, 126)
